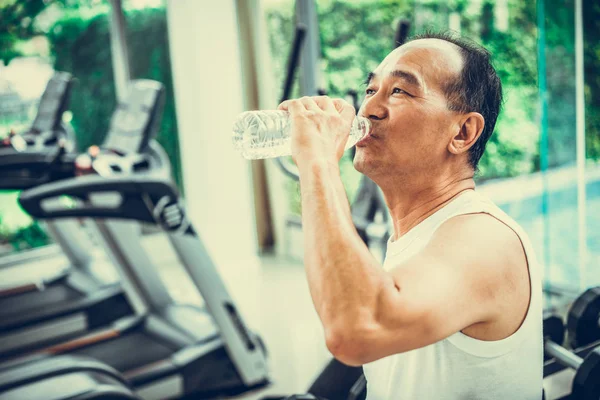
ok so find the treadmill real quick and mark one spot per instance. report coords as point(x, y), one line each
point(39, 311)
point(64, 378)
point(166, 350)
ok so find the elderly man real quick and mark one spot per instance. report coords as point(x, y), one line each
point(456, 310)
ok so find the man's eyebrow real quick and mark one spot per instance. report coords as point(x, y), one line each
point(369, 77)
point(407, 76)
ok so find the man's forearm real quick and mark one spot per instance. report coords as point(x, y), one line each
point(343, 276)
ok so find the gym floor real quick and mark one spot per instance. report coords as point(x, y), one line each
point(273, 296)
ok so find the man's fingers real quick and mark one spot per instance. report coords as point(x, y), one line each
point(309, 103)
point(345, 109)
point(319, 103)
point(326, 103)
point(295, 107)
point(284, 105)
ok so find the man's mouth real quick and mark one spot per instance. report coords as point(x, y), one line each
point(370, 136)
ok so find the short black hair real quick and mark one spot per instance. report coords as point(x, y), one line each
point(478, 88)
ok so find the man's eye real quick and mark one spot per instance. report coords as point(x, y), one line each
point(398, 90)
point(370, 91)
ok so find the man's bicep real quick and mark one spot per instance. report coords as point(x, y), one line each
point(441, 290)
point(436, 298)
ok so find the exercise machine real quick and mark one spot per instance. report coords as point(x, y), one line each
point(165, 350)
point(586, 383)
point(39, 311)
point(64, 378)
point(583, 321)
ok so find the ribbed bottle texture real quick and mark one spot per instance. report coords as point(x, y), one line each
point(266, 134)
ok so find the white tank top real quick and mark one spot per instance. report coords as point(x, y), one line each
point(461, 367)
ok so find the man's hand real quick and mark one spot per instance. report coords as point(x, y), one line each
point(320, 128)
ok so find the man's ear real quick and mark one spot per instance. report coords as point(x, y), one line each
point(470, 128)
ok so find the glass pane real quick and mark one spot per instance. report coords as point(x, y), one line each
point(149, 58)
point(528, 168)
point(591, 32)
point(558, 143)
point(22, 82)
point(71, 36)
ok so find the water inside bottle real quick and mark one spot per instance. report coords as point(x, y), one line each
point(272, 148)
point(262, 134)
point(265, 134)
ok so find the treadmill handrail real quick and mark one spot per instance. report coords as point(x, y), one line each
point(143, 198)
point(45, 368)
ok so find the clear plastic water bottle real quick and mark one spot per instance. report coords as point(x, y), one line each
point(266, 134)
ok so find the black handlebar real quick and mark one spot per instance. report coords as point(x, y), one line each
point(140, 198)
point(293, 61)
point(401, 32)
point(19, 171)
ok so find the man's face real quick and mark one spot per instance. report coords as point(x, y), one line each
point(405, 102)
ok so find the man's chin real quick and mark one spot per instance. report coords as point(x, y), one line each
point(361, 164)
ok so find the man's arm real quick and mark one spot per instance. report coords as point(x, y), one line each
point(345, 280)
point(460, 278)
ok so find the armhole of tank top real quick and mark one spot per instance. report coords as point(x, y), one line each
point(496, 348)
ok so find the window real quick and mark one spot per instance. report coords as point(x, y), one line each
point(530, 165)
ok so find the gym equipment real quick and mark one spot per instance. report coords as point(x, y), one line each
point(42, 310)
point(583, 321)
point(586, 383)
point(63, 378)
point(172, 350)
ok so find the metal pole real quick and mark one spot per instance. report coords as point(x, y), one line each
point(580, 140)
point(306, 14)
point(118, 46)
point(543, 91)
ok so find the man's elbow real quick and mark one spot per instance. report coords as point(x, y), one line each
point(350, 346)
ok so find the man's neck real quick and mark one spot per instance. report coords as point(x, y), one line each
point(410, 205)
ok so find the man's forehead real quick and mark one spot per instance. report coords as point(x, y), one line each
point(424, 57)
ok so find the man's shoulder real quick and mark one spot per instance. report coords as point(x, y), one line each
point(482, 237)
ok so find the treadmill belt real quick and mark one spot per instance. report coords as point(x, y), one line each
point(25, 303)
point(127, 352)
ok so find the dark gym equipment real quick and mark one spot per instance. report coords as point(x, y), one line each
point(586, 383)
point(171, 350)
point(41, 311)
point(27, 156)
point(62, 378)
point(583, 321)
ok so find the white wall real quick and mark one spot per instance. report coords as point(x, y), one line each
point(205, 59)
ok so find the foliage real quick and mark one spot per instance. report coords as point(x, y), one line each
point(82, 47)
point(4, 231)
point(17, 24)
point(28, 237)
point(591, 29)
point(25, 237)
point(21, 20)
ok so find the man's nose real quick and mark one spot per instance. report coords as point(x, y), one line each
point(372, 108)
